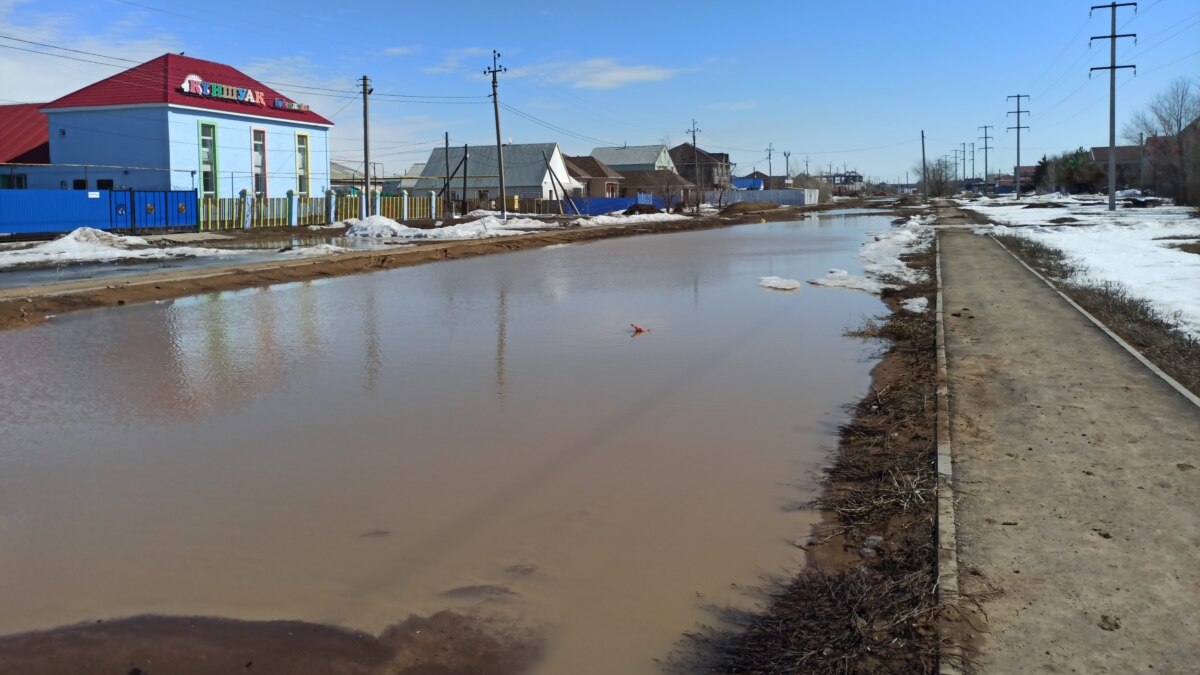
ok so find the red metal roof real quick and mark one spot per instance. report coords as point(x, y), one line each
point(162, 80)
point(24, 134)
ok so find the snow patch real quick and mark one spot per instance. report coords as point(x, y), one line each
point(623, 219)
point(779, 283)
point(89, 245)
point(489, 226)
point(839, 278)
point(916, 305)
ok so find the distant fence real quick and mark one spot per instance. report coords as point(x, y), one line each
point(797, 197)
point(51, 211)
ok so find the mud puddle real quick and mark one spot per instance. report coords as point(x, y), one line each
point(482, 436)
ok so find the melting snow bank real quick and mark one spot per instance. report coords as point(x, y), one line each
point(490, 226)
point(88, 245)
point(613, 219)
point(881, 258)
point(916, 305)
point(837, 278)
point(779, 284)
point(1141, 256)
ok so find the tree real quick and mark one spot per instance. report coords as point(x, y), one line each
point(940, 181)
point(1161, 124)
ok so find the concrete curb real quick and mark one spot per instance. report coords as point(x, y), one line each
point(1172, 382)
point(947, 536)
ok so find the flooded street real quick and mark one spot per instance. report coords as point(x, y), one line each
point(482, 435)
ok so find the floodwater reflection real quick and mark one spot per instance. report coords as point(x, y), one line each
point(477, 435)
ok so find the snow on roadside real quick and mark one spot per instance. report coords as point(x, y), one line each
point(916, 305)
point(880, 256)
point(1135, 247)
point(613, 219)
point(779, 283)
point(489, 226)
point(89, 245)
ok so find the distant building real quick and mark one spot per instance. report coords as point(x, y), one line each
point(531, 171)
point(636, 158)
point(599, 178)
point(666, 185)
point(1132, 164)
point(747, 183)
point(706, 170)
point(845, 182)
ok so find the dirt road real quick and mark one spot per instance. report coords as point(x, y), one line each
point(1077, 493)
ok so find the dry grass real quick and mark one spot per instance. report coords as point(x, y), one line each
point(875, 613)
point(1158, 336)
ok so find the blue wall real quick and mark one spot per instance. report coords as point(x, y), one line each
point(234, 148)
point(158, 148)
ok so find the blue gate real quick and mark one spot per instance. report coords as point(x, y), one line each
point(52, 211)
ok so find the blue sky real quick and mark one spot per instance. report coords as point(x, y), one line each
point(842, 84)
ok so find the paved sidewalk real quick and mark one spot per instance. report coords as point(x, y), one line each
point(1076, 494)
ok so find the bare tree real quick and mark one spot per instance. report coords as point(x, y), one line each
point(940, 181)
point(1162, 124)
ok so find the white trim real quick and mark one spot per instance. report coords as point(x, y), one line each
point(177, 106)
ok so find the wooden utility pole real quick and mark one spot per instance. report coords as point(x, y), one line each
point(493, 71)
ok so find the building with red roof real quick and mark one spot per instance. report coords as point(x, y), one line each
point(173, 123)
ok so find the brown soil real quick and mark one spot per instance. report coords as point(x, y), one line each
point(742, 208)
point(29, 306)
point(443, 644)
point(638, 209)
point(866, 601)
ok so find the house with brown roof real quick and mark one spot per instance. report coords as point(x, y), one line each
point(1132, 163)
point(173, 123)
point(711, 171)
point(599, 178)
point(666, 185)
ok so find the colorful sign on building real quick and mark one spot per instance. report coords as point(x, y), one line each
point(194, 84)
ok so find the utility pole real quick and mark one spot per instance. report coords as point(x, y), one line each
point(806, 160)
point(493, 71)
point(986, 147)
point(446, 181)
point(955, 151)
point(1018, 112)
point(695, 160)
point(972, 162)
point(787, 170)
point(1112, 69)
point(964, 160)
point(924, 167)
point(770, 173)
point(366, 91)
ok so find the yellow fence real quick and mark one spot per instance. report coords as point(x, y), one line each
point(310, 211)
point(221, 214)
point(418, 208)
point(269, 212)
point(347, 207)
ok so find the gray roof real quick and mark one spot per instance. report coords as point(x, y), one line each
point(629, 155)
point(524, 166)
point(414, 170)
point(339, 171)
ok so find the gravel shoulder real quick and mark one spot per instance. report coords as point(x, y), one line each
point(1077, 494)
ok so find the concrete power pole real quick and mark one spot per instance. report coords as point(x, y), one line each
point(770, 173)
point(493, 71)
point(985, 138)
point(366, 90)
point(1112, 69)
point(964, 160)
point(695, 161)
point(1017, 169)
point(924, 167)
point(787, 170)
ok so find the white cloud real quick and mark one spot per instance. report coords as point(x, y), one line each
point(39, 78)
point(455, 60)
point(401, 51)
point(598, 73)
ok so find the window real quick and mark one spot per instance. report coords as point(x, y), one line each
point(259, 159)
point(208, 160)
point(483, 195)
point(302, 164)
point(13, 181)
point(104, 184)
point(610, 190)
point(79, 184)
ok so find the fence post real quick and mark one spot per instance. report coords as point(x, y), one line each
point(404, 205)
point(362, 205)
point(247, 210)
point(331, 199)
point(433, 205)
point(293, 212)
point(376, 197)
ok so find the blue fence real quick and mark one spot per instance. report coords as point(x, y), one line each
point(598, 206)
point(51, 211)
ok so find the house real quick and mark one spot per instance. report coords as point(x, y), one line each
point(711, 171)
point(409, 181)
point(769, 182)
point(599, 178)
point(845, 182)
point(531, 171)
point(1132, 164)
point(172, 123)
point(636, 158)
point(666, 185)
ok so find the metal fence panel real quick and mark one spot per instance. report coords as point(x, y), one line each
point(796, 197)
point(46, 211)
point(310, 211)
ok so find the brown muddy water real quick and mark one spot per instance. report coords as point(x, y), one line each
point(481, 435)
